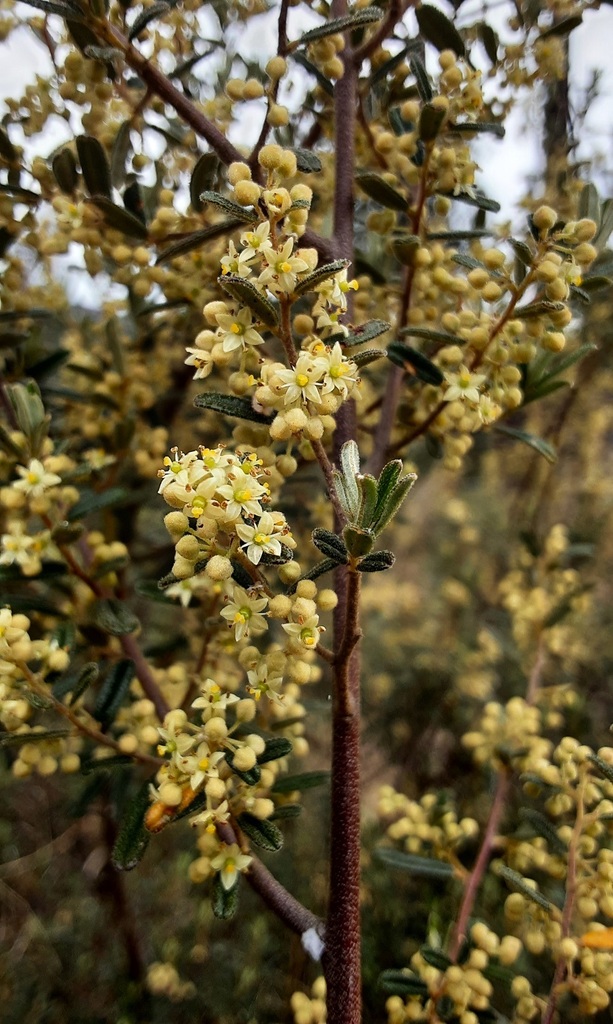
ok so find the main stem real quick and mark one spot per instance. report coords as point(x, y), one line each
point(342, 959)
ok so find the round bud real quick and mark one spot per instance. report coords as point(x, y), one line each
point(171, 794)
point(276, 68)
point(219, 568)
point(270, 156)
point(244, 759)
point(238, 172)
point(247, 193)
point(327, 600)
point(544, 218)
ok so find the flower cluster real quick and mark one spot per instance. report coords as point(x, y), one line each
point(223, 494)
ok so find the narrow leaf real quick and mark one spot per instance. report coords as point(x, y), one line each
point(415, 363)
point(439, 30)
point(519, 884)
point(14, 739)
point(196, 239)
point(120, 219)
point(119, 154)
point(64, 167)
point(156, 10)
point(563, 27)
point(88, 675)
point(543, 827)
point(402, 983)
point(365, 332)
point(377, 188)
point(229, 206)
point(231, 405)
point(225, 901)
point(306, 780)
point(430, 122)
point(366, 16)
point(247, 294)
point(203, 177)
point(368, 499)
point(490, 41)
point(478, 128)
point(323, 82)
point(65, 10)
point(330, 544)
point(7, 149)
point(431, 335)
point(92, 501)
point(589, 203)
point(359, 541)
point(393, 501)
point(424, 867)
point(537, 443)
point(404, 249)
point(106, 763)
point(275, 748)
point(264, 834)
point(322, 273)
point(473, 198)
point(378, 561)
point(132, 836)
point(114, 617)
point(307, 161)
point(95, 166)
point(420, 74)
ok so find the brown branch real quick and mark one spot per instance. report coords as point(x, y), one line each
point(327, 469)
point(394, 14)
point(272, 95)
point(286, 907)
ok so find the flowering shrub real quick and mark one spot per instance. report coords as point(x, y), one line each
point(350, 328)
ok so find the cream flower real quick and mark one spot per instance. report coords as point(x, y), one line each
point(305, 630)
point(282, 269)
point(237, 330)
point(244, 613)
point(35, 479)
point(301, 382)
point(260, 682)
point(339, 373)
point(229, 863)
point(201, 360)
point(260, 538)
point(463, 385)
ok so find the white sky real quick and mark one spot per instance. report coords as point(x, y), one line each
point(505, 164)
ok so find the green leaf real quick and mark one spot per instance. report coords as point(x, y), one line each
point(464, 260)
point(388, 478)
point(358, 540)
point(196, 239)
point(596, 283)
point(423, 867)
point(224, 901)
point(203, 177)
point(420, 75)
point(113, 691)
point(490, 41)
point(605, 769)
point(387, 67)
point(435, 957)
point(107, 54)
point(14, 739)
point(369, 355)
point(275, 748)
point(119, 153)
point(563, 27)
point(330, 544)
point(231, 405)
point(350, 21)
point(537, 443)
point(65, 10)
point(430, 122)
point(543, 827)
point(306, 780)
point(377, 188)
point(431, 335)
point(95, 166)
point(589, 203)
point(537, 308)
point(458, 236)
point(522, 252)
point(307, 161)
point(415, 363)
point(473, 197)
point(88, 675)
point(132, 836)
point(236, 211)
point(404, 249)
point(16, 192)
point(114, 616)
point(106, 763)
point(264, 834)
point(518, 883)
point(246, 293)
point(365, 332)
point(64, 167)
point(94, 501)
point(7, 149)
point(368, 499)
point(402, 983)
point(156, 10)
point(120, 219)
point(437, 29)
point(606, 225)
point(286, 811)
point(478, 127)
point(378, 561)
point(323, 273)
